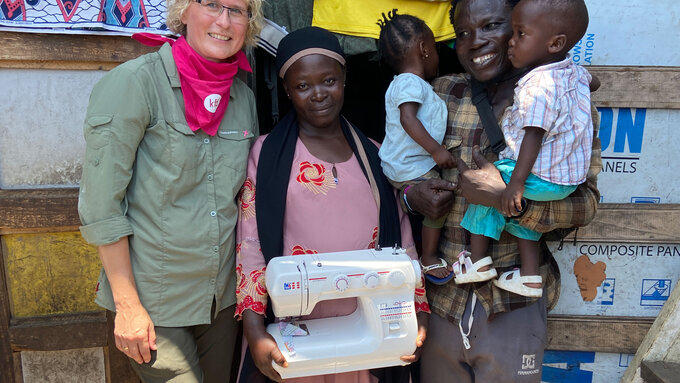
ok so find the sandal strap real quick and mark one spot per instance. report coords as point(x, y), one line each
point(486, 261)
point(441, 264)
point(517, 283)
point(464, 259)
point(531, 279)
point(456, 268)
point(522, 279)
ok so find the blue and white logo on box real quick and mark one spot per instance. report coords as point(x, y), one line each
point(645, 199)
point(608, 292)
point(655, 292)
point(567, 366)
point(624, 359)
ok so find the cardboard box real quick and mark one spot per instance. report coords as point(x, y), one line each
point(639, 155)
point(616, 279)
point(583, 367)
point(630, 33)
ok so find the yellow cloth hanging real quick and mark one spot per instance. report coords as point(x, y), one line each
point(359, 18)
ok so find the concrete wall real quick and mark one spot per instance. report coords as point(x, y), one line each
point(41, 140)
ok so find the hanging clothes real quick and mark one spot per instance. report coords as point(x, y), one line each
point(346, 17)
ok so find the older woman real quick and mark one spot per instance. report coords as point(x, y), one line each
point(167, 137)
point(478, 332)
point(314, 185)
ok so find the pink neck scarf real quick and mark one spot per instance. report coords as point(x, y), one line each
point(205, 84)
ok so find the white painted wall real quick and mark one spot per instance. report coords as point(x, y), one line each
point(41, 123)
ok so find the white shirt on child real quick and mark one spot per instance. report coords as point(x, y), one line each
point(402, 158)
point(554, 97)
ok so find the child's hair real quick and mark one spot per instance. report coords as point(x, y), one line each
point(572, 19)
point(397, 33)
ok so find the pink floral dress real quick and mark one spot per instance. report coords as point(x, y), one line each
point(320, 216)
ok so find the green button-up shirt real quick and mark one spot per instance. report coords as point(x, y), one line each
point(146, 175)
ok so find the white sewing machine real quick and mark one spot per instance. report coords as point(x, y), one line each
point(382, 328)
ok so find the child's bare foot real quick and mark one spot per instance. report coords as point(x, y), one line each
point(434, 266)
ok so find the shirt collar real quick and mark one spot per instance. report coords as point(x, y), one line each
point(169, 64)
point(547, 67)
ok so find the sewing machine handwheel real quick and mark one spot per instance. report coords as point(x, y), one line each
point(396, 278)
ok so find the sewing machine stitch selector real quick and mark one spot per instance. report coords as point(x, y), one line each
point(371, 280)
point(341, 282)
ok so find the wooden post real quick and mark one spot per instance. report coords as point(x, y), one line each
point(6, 357)
point(661, 344)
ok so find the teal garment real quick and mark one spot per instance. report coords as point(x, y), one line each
point(146, 175)
point(489, 222)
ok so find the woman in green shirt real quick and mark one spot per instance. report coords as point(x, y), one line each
point(167, 139)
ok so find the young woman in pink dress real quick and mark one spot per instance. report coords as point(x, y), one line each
point(313, 185)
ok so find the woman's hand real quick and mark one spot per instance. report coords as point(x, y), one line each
point(134, 332)
point(432, 198)
point(133, 329)
point(423, 321)
point(262, 345)
point(482, 186)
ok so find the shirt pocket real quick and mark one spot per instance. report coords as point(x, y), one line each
point(233, 147)
point(185, 147)
point(98, 130)
point(452, 143)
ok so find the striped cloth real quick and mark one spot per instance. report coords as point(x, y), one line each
point(556, 98)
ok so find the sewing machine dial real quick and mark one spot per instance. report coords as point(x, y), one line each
point(371, 280)
point(341, 282)
point(396, 278)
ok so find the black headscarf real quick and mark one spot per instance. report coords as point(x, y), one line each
point(276, 156)
point(306, 41)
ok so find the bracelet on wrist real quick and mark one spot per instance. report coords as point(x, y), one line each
point(408, 207)
point(524, 209)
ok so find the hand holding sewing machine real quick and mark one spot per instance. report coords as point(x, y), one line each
point(265, 351)
point(383, 328)
point(263, 347)
point(423, 321)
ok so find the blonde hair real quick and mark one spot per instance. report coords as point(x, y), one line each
point(176, 9)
